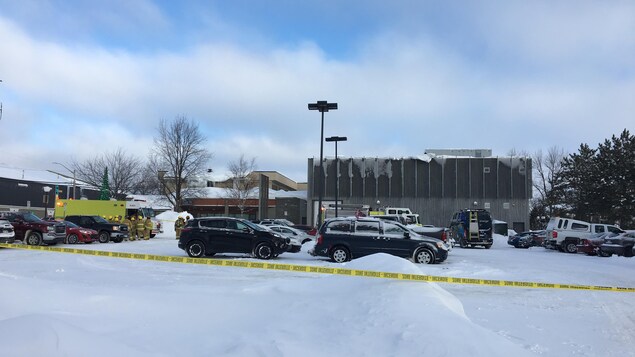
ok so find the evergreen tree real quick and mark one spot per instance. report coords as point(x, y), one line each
point(616, 162)
point(580, 183)
point(105, 187)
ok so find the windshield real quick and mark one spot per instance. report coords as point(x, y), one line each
point(99, 219)
point(253, 225)
point(30, 217)
point(147, 212)
point(70, 224)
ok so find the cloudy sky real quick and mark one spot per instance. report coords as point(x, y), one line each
point(83, 78)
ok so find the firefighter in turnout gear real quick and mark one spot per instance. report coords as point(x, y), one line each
point(133, 228)
point(128, 223)
point(140, 227)
point(148, 228)
point(178, 225)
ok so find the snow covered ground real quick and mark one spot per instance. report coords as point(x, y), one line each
point(55, 304)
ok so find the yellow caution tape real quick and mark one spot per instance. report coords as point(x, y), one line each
point(320, 269)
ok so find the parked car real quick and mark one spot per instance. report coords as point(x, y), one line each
point(622, 245)
point(7, 234)
point(291, 232)
point(32, 230)
point(512, 239)
point(533, 239)
point(76, 234)
point(591, 245)
point(343, 239)
point(207, 236)
point(106, 231)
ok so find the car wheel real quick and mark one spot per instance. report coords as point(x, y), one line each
point(196, 249)
point(34, 238)
point(488, 246)
point(424, 256)
point(72, 239)
point(104, 237)
point(628, 252)
point(340, 255)
point(118, 240)
point(603, 254)
point(264, 251)
point(462, 243)
point(570, 247)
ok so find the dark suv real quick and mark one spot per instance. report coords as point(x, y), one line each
point(343, 239)
point(32, 230)
point(207, 236)
point(476, 228)
point(106, 231)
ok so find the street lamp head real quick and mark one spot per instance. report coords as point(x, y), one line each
point(322, 106)
point(336, 138)
point(46, 189)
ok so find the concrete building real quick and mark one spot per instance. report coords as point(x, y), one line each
point(434, 186)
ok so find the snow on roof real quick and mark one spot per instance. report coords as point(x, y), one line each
point(33, 175)
point(220, 192)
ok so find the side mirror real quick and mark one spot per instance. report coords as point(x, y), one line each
point(406, 235)
point(246, 230)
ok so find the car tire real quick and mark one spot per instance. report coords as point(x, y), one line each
point(196, 249)
point(462, 243)
point(628, 252)
point(72, 239)
point(118, 240)
point(488, 246)
point(34, 238)
point(264, 251)
point(340, 254)
point(603, 254)
point(104, 237)
point(570, 247)
point(424, 256)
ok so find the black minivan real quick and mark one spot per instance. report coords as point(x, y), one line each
point(207, 236)
point(343, 239)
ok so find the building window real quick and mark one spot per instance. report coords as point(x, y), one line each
point(486, 170)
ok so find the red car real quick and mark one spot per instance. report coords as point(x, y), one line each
point(591, 245)
point(76, 234)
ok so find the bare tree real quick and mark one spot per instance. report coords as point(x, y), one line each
point(178, 156)
point(123, 171)
point(243, 183)
point(547, 167)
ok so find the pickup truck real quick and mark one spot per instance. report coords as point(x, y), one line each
point(564, 234)
point(32, 230)
point(106, 231)
point(434, 232)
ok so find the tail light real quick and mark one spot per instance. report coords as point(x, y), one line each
point(584, 242)
point(554, 234)
point(320, 239)
point(444, 236)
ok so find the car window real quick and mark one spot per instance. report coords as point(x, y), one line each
point(339, 226)
point(579, 227)
point(599, 229)
point(367, 227)
point(566, 224)
point(559, 223)
point(393, 230)
point(241, 226)
point(215, 223)
point(84, 221)
point(614, 229)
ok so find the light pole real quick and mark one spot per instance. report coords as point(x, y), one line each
point(336, 139)
point(73, 171)
point(45, 199)
point(322, 106)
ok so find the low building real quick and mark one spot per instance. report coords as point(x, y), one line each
point(434, 186)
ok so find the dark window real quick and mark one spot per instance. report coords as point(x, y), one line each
point(393, 230)
point(213, 223)
point(579, 227)
point(339, 226)
point(366, 227)
point(614, 229)
point(599, 229)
